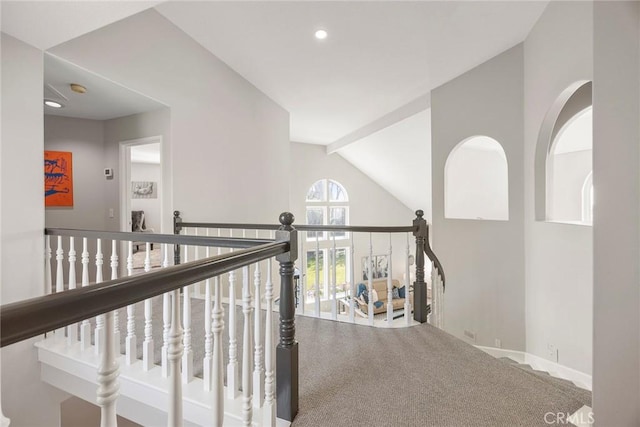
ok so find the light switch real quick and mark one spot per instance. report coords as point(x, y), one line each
point(111, 213)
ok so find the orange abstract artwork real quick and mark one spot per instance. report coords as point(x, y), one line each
point(58, 178)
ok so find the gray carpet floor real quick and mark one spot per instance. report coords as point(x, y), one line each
point(420, 376)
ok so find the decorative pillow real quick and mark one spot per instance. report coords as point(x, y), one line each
point(378, 304)
point(375, 295)
point(402, 292)
point(365, 296)
point(396, 293)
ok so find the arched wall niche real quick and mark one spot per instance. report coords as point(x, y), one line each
point(573, 100)
point(476, 181)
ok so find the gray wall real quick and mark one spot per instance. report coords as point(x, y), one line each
point(484, 260)
point(22, 219)
point(85, 139)
point(559, 265)
point(137, 126)
point(616, 169)
point(151, 207)
point(226, 136)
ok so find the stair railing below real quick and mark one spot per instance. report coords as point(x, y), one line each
point(328, 276)
point(72, 304)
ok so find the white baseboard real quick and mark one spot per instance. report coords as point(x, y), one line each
point(538, 363)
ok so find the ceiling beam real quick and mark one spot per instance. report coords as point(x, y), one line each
point(417, 105)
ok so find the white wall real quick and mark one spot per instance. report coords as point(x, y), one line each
point(22, 227)
point(85, 139)
point(151, 207)
point(616, 179)
point(559, 276)
point(227, 138)
point(476, 184)
point(483, 260)
point(369, 203)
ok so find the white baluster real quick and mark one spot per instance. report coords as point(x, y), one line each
point(166, 327)
point(114, 276)
point(370, 281)
point(131, 351)
point(147, 344)
point(389, 287)
point(317, 284)
point(48, 279)
point(208, 334)
point(147, 257)
point(99, 331)
point(303, 275)
point(174, 356)
point(72, 330)
point(108, 372)
point(232, 366)
point(166, 319)
point(334, 280)
point(218, 364)
point(187, 356)
point(85, 327)
point(407, 284)
point(59, 278)
point(352, 284)
point(247, 410)
point(269, 408)
point(258, 370)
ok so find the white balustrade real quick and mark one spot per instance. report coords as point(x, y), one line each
point(302, 279)
point(100, 319)
point(59, 277)
point(166, 318)
point(232, 367)
point(114, 276)
point(247, 410)
point(218, 363)
point(72, 330)
point(370, 281)
point(390, 286)
point(407, 285)
point(352, 284)
point(334, 262)
point(147, 344)
point(208, 333)
point(85, 327)
point(131, 350)
point(48, 279)
point(269, 407)
point(187, 355)
point(258, 370)
point(317, 284)
point(174, 356)
point(108, 372)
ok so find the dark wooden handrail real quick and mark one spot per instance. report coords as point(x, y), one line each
point(26, 319)
point(222, 242)
point(353, 228)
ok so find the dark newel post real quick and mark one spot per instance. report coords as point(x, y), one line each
point(177, 228)
point(287, 349)
point(419, 286)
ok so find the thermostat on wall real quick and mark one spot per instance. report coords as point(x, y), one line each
point(108, 172)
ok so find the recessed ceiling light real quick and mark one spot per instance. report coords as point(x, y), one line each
point(321, 34)
point(52, 104)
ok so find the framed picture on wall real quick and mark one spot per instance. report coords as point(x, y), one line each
point(144, 190)
point(58, 178)
point(379, 267)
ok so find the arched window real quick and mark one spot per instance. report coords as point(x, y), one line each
point(569, 166)
point(327, 203)
point(476, 181)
